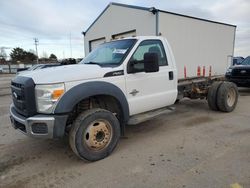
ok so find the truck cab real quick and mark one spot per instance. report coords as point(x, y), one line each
point(93, 101)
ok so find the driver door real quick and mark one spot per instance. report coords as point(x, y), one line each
point(148, 91)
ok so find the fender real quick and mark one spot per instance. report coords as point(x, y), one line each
point(76, 94)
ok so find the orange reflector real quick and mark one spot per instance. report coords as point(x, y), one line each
point(185, 72)
point(57, 93)
point(198, 71)
point(210, 71)
point(204, 71)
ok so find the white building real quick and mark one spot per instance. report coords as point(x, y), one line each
point(194, 41)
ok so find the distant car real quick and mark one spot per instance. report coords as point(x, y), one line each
point(240, 74)
point(237, 60)
point(39, 66)
point(69, 61)
point(1, 69)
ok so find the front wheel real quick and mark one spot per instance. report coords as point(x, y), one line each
point(94, 134)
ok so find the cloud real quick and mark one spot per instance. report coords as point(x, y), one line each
point(50, 21)
point(236, 11)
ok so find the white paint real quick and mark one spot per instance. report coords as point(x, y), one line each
point(67, 73)
point(197, 43)
point(155, 89)
point(117, 19)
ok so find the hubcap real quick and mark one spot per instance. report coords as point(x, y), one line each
point(231, 97)
point(98, 135)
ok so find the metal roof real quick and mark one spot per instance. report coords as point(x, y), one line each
point(150, 9)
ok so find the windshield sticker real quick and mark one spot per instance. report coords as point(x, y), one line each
point(120, 51)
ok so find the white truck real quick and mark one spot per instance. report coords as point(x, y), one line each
point(121, 82)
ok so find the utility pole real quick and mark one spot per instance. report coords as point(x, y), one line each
point(36, 44)
point(70, 45)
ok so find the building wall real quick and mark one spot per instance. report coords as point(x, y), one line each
point(118, 19)
point(194, 42)
point(197, 43)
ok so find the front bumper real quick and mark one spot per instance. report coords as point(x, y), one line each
point(39, 126)
point(239, 81)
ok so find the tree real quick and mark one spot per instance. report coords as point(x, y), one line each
point(19, 54)
point(29, 56)
point(53, 56)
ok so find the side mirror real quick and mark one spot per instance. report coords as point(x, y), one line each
point(151, 62)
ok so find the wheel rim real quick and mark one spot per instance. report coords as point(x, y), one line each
point(231, 97)
point(98, 135)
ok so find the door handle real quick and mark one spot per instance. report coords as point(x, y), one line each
point(171, 75)
point(134, 92)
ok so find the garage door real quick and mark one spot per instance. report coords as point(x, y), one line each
point(131, 33)
point(93, 44)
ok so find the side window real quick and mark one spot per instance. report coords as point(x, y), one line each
point(136, 63)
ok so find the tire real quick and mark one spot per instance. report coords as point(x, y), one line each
point(94, 134)
point(227, 97)
point(212, 96)
point(177, 101)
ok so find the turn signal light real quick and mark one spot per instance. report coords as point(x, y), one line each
point(57, 93)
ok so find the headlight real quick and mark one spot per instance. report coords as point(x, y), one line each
point(47, 96)
point(229, 71)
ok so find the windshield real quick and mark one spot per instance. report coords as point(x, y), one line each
point(111, 53)
point(246, 61)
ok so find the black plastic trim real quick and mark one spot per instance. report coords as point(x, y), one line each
point(82, 91)
point(26, 105)
point(171, 75)
point(59, 125)
point(114, 73)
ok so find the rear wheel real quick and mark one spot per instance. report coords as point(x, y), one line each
point(227, 97)
point(94, 134)
point(212, 96)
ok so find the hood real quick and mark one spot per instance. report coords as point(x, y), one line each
point(67, 73)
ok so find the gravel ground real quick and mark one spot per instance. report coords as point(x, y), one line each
point(192, 147)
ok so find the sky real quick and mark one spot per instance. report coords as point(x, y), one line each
point(59, 23)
